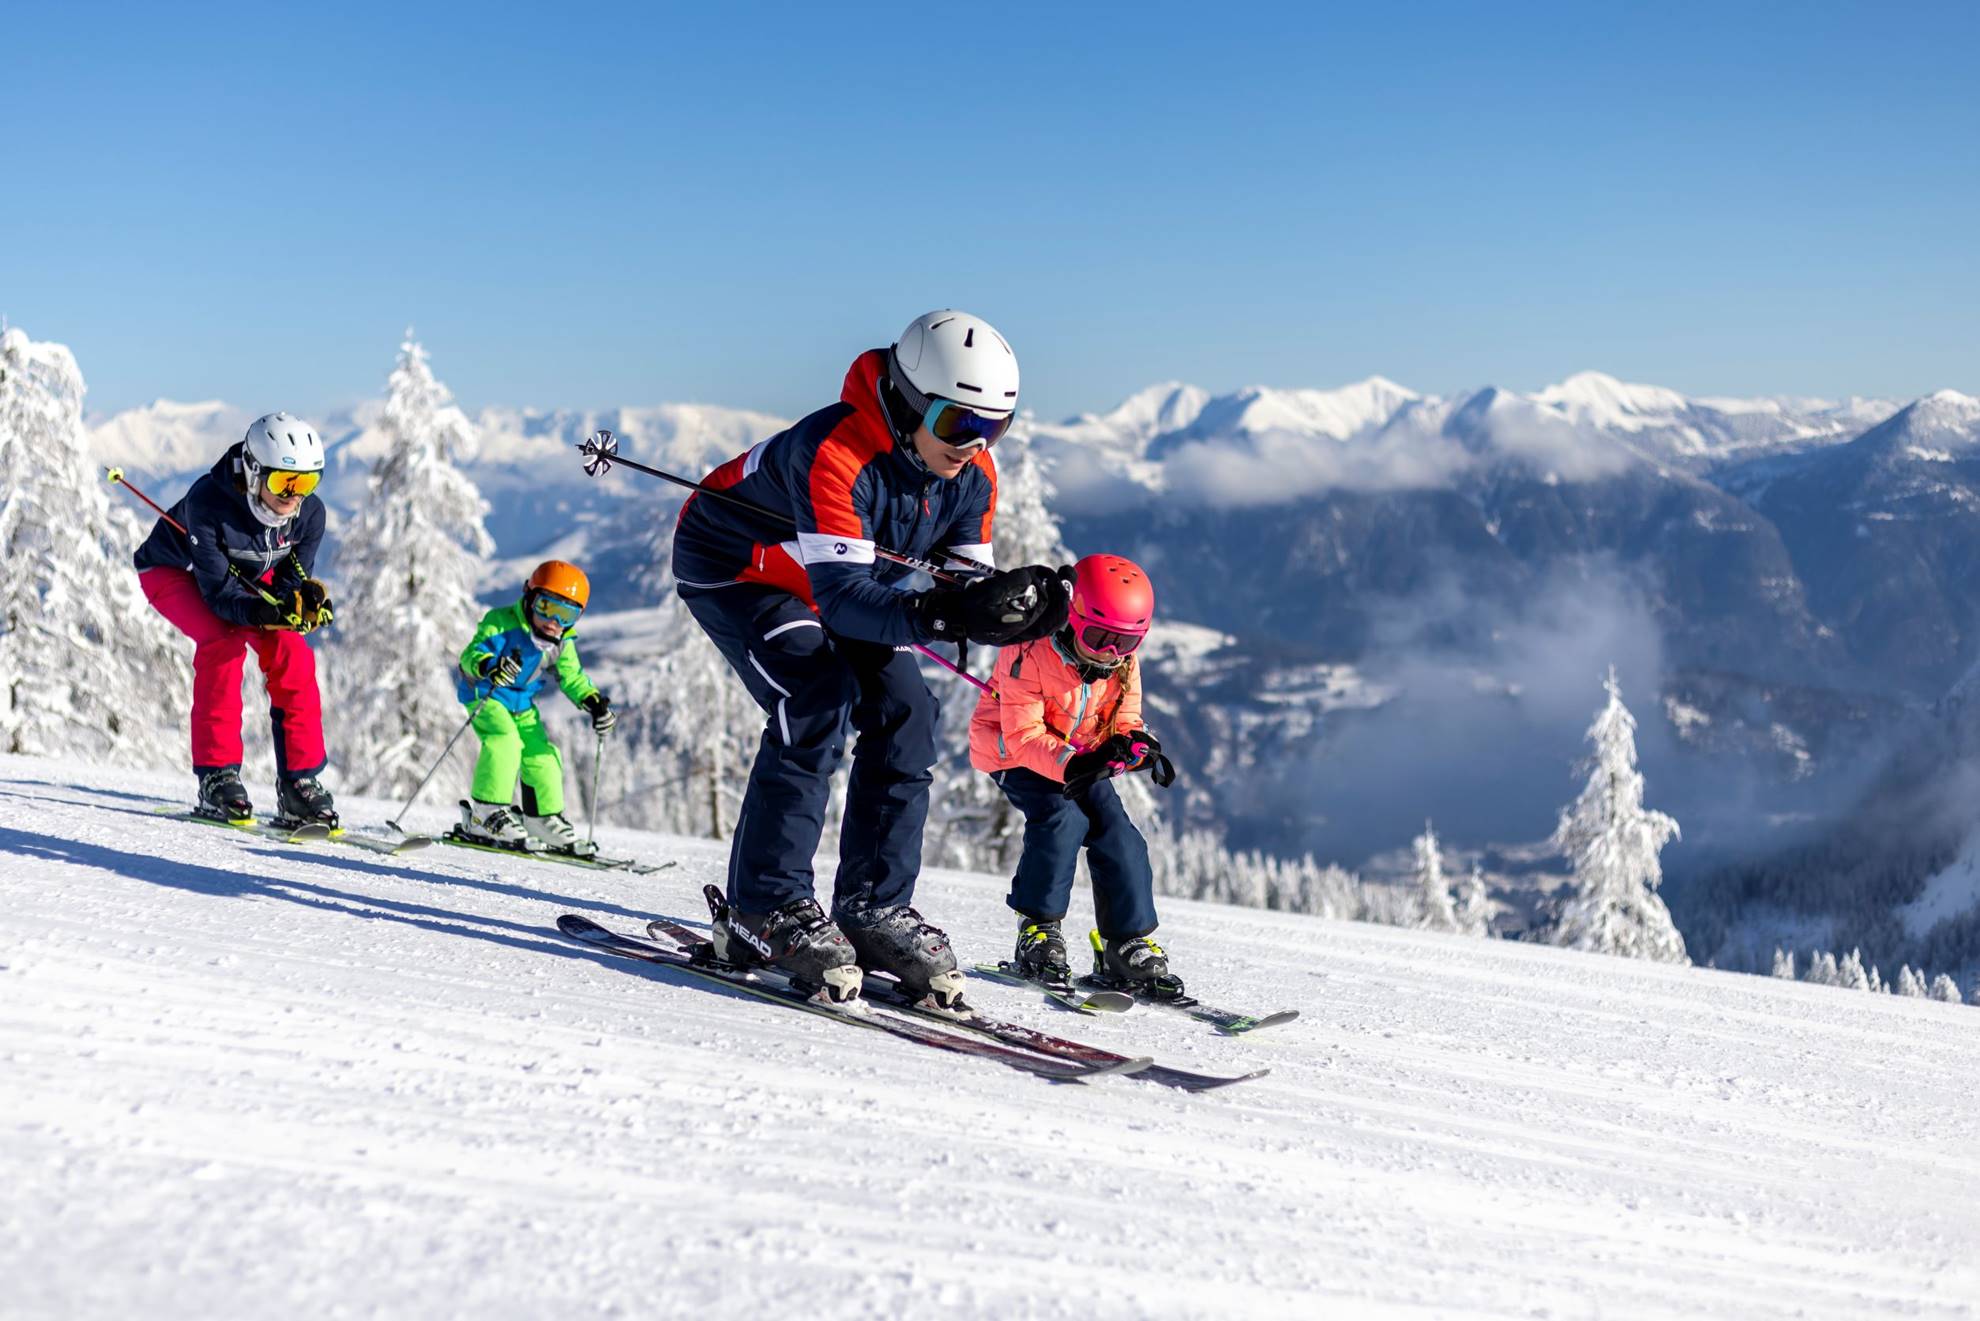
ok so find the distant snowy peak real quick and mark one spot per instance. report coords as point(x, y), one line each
point(168, 437)
point(1932, 429)
point(1339, 414)
point(1138, 419)
point(1600, 399)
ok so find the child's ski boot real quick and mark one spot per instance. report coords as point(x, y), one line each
point(494, 824)
point(1041, 954)
point(557, 835)
point(1136, 965)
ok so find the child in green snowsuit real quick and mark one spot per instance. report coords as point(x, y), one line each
point(510, 659)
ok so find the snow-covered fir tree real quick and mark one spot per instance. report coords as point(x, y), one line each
point(1849, 972)
point(1783, 963)
point(1612, 841)
point(1822, 969)
point(1433, 892)
point(1944, 989)
point(87, 668)
point(1910, 984)
point(1474, 903)
point(403, 580)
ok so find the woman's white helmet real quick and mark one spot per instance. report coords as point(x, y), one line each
point(953, 355)
point(282, 442)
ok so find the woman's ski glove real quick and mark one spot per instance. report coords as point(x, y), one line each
point(501, 670)
point(283, 611)
point(313, 605)
point(600, 707)
point(1017, 605)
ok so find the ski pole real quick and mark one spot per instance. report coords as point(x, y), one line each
point(954, 668)
point(117, 478)
point(439, 759)
point(597, 766)
point(601, 451)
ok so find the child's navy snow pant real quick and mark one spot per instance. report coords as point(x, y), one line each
point(815, 687)
point(1055, 829)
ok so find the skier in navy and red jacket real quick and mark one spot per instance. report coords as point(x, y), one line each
point(812, 624)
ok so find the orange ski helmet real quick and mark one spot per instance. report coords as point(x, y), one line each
point(561, 579)
point(557, 594)
point(1113, 603)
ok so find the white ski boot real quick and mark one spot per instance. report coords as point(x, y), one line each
point(557, 835)
point(495, 823)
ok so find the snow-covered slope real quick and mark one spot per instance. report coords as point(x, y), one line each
point(245, 1080)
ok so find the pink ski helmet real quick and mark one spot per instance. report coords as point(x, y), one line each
point(1113, 603)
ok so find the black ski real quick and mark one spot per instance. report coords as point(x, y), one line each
point(701, 951)
point(589, 933)
point(1067, 996)
point(595, 862)
point(1228, 1021)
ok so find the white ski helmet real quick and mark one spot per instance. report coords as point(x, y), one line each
point(282, 442)
point(953, 355)
point(278, 442)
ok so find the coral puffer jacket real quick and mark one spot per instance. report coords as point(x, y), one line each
point(1043, 712)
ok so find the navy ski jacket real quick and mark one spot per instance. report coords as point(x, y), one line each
point(845, 483)
point(225, 532)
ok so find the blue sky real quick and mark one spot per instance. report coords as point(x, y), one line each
point(635, 204)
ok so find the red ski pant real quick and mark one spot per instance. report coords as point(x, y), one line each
point(288, 669)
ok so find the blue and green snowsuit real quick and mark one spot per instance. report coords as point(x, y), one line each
point(509, 725)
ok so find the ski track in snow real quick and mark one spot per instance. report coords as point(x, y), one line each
point(248, 1080)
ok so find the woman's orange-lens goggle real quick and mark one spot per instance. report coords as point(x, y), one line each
point(283, 483)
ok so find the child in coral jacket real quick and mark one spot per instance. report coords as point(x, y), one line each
point(1063, 720)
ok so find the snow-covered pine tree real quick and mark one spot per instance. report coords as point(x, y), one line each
point(1850, 974)
point(1611, 841)
point(1474, 903)
point(403, 579)
point(87, 667)
point(1822, 969)
point(1910, 984)
point(1433, 892)
point(1783, 963)
point(1944, 989)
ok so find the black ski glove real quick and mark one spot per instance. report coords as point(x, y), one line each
point(1113, 757)
point(283, 612)
point(500, 669)
point(1017, 605)
point(1147, 750)
point(600, 707)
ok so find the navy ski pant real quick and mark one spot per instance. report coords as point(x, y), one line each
point(1055, 829)
point(815, 688)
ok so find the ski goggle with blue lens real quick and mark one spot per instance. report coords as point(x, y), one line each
point(959, 427)
point(555, 610)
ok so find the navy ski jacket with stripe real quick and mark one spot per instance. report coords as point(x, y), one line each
point(848, 487)
point(225, 532)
